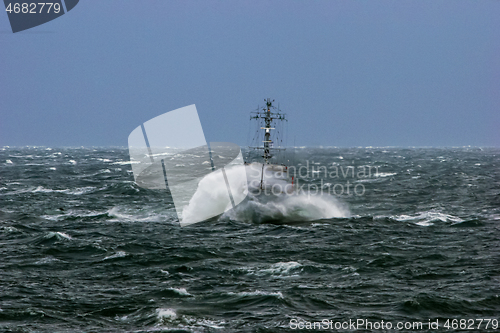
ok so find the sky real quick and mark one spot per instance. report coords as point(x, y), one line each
point(347, 73)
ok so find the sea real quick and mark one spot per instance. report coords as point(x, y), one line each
point(378, 240)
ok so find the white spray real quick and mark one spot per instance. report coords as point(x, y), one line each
point(261, 205)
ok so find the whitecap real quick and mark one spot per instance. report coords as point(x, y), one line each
point(367, 180)
point(319, 224)
point(384, 174)
point(282, 268)
point(207, 323)
point(42, 189)
point(58, 235)
point(79, 191)
point(180, 291)
point(126, 162)
point(427, 218)
point(75, 191)
point(258, 293)
point(122, 318)
point(119, 254)
point(164, 315)
point(46, 260)
point(73, 213)
point(144, 215)
point(9, 229)
point(288, 208)
point(424, 223)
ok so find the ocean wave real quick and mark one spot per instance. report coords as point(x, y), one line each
point(9, 229)
point(289, 208)
point(180, 291)
point(53, 236)
point(368, 180)
point(257, 293)
point(451, 305)
point(166, 315)
point(117, 255)
point(384, 174)
point(58, 235)
point(427, 218)
point(47, 261)
point(280, 269)
point(71, 214)
point(105, 160)
point(259, 206)
point(147, 214)
point(126, 162)
point(468, 223)
point(75, 191)
point(173, 321)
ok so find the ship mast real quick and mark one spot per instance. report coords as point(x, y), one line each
point(267, 114)
point(267, 136)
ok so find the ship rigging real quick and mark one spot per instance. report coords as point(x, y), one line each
point(269, 116)
point(269, 138)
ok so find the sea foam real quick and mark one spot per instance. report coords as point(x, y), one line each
point(261, 206)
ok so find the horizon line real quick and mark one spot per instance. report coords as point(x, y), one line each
point(243, 147)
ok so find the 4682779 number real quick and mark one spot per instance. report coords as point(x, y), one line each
point(462, 324)
point(33, 8)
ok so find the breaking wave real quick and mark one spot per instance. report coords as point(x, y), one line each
point(262, 206)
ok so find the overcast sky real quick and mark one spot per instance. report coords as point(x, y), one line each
point(348, 73)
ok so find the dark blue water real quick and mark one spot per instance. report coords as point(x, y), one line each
point(83, 249)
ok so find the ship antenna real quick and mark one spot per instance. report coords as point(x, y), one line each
point(267, 135)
